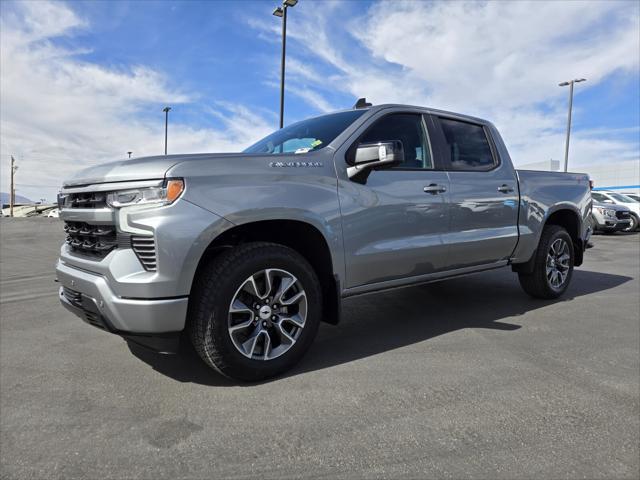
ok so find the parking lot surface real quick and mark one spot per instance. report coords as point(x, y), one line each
point(459, 379)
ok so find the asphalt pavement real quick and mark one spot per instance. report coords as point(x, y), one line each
point(468, 378)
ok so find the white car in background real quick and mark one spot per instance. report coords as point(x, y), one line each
point(610, 218)
point(635, 196)
point(614, 198)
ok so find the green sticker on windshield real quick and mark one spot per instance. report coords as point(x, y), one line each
point(315, 143)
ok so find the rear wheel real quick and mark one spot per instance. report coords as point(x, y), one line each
point(553, 265)
point(255, 311)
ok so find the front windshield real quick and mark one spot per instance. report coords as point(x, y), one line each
point(305, 136)
point(622, 198)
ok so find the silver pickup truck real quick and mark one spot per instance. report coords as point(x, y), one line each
point(246, 253)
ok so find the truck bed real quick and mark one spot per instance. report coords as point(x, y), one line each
point(543, 193)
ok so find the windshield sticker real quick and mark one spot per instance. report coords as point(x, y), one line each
point(315, 143)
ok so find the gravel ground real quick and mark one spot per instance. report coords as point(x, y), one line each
point(468, 378)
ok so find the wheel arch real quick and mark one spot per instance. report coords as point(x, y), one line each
point(562, 216)
point(301, 236)
point(569, 219)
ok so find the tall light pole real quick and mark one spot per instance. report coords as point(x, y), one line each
point(566, 145)
point(282, 12)
point(12, 188)
point(166, 126)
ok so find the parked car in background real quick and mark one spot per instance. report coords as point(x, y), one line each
point(635, 196)
point(610, 218)
point(614, 198)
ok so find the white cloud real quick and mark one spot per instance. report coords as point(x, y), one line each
point(59, 114)
point(498, 60)
point(505, 54)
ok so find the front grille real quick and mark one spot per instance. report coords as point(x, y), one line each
point(145, 249)
point(86, 200)
point(621, 214)
point(96, 240)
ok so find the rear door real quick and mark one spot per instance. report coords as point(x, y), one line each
point(483, 194)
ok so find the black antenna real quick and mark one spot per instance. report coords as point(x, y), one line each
point(362, 103)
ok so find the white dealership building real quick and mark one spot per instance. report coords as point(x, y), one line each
point(619, 176)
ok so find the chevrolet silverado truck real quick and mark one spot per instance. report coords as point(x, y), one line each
point(244, 254)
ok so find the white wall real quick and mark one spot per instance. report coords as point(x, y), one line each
point(607, 175)
point(615, 175)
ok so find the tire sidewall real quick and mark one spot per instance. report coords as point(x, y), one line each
point(221, 344)
point(634, 224)
point(564, 235)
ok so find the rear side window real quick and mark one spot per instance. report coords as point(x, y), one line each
point(468, 146)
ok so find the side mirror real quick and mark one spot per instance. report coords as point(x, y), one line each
point(369, 156)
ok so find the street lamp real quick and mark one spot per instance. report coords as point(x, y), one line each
point(282, 13)
point(566, 145)
point(129, 153)
point(166, 126)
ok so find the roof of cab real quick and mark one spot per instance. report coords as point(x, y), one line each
point(433, 111)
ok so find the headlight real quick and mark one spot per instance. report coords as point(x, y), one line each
point(164, 195)
point(607, 212)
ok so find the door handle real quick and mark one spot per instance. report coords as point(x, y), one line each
point(434, 189)
point(505, 188)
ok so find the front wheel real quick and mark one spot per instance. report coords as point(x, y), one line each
point(553, 265)
point(633, 225)
point(255, 311)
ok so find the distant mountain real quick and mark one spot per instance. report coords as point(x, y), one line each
point(4, 199)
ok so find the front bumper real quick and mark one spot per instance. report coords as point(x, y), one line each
point(614, 225)
point(89, 296)
point(119, 292)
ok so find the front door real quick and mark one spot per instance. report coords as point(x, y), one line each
point(393, 223)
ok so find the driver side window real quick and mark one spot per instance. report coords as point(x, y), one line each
point(409, 128)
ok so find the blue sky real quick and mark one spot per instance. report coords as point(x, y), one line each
point(205, 47)
point(83, 82)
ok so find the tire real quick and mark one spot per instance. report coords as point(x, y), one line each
point(633, 226)
point(227, 339)
point(540, 283)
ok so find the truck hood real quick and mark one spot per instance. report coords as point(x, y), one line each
point(144, 168)
point(611, 206)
